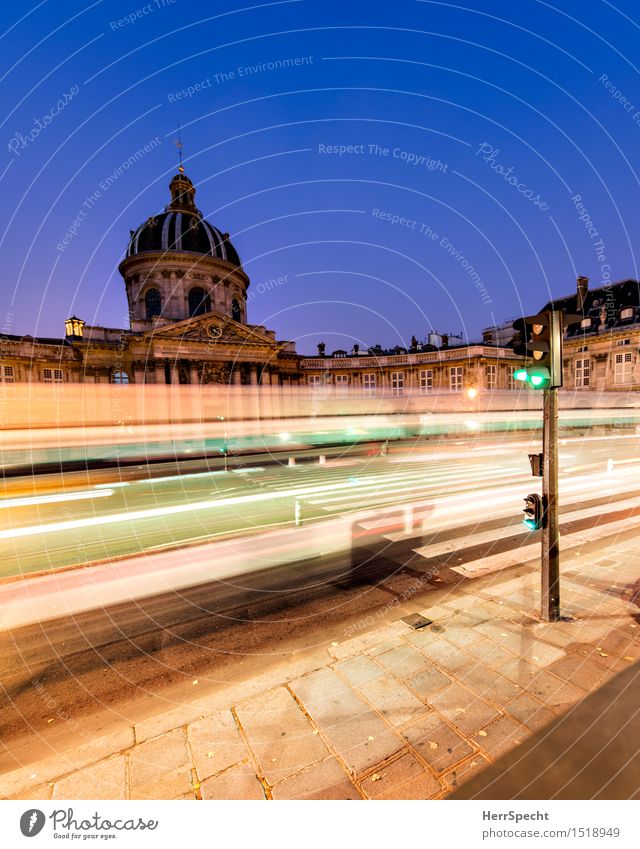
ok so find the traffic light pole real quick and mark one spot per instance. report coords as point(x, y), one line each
point(550, 601)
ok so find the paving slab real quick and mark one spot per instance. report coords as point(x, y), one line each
point(359, 670)
point(529, 711)
point(402, 661)
point(437, 743)
point(500, 736)
point(238, 783)
point(462, 708)
point(53, 767)
point(324, 780)
point(428, 681)
point(216, 743)
point(279, 734)
point(395, 702)
point(449, 657)
point(104, 780)
point(161, 768)
point(404, 778)
point(488, 685)
point(359, 735)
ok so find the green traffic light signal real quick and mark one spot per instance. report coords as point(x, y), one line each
point(537, 377)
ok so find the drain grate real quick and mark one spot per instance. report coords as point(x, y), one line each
point(416, 621)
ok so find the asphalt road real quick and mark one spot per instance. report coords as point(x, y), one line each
point(71, 525)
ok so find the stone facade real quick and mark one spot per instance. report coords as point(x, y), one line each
point(470, 368)
point(187, 293)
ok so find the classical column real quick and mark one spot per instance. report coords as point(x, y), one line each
point(253, 378)
point(194, 376)
point(160, 373)
point(237, 374)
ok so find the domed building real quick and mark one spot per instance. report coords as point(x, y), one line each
point(187, 298)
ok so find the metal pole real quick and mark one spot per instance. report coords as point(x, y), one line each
point(550, 601)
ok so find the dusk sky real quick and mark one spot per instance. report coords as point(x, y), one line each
point(490, 153)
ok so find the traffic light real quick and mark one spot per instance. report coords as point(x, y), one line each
point(533, 513)
point(540, 340)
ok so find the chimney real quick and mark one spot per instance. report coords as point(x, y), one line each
point(445, 340)
point(583, 288)
point(321, 347)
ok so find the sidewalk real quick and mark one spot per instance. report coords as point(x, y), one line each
point(393, 713)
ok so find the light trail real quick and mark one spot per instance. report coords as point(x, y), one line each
point(32, 501)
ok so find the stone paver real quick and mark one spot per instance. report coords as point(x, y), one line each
point(428, 681)
point(456, 777)
point(279, 734)
point(557, 694)
point(160, 768)
point(500, 736)
point(583, 672)
point(239, 782)
point(48, 769)
point(359, 670)
point(449, 657)
point(437, 743)
point(393, 700)
point(402, 661)
point(361, 737)
point(216, 743)
point(404, 778)
point(104, 780)
point(494, 688)
point(529, 712)
point(462, 708)
point(324, 780)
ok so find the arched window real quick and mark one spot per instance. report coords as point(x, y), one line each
point(119, 377)
point(236, 310)
point(153, 303)
point(199, 302)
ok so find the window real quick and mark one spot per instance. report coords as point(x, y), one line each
point(7, 374)
point(52, 375)
point(236, 310)
point(623, 372)
point(627, 312)
point(369, 383)
point(455, 378)
point(583, 372)
point(397, 382)
point(199, 302)
point(119, 377)
point(511, 381)
point(342, 379)
point(314, 380)
point(153, 303)
point(426, 381)
point(492, 376)
point(623, 342)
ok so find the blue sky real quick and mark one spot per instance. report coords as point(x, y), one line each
point(489, 155)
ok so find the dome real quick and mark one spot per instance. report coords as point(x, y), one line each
point(181, 228)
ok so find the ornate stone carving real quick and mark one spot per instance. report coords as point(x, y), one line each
point(215, 373)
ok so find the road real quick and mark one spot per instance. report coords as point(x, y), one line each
point(67, 526)
point(375, 532)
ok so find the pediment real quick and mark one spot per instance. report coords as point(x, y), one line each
point(213, 328)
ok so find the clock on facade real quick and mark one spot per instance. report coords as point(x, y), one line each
point(214, 330)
